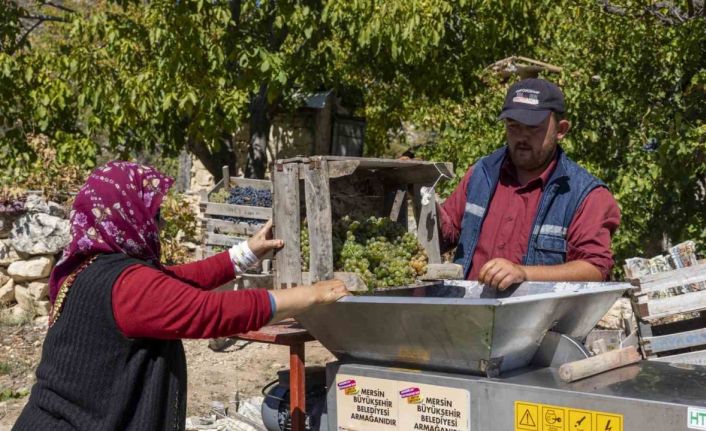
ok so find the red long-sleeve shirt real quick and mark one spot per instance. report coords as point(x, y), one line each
point(507, 226)
point(175, 303)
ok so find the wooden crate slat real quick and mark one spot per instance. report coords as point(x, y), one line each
point(234, 182)
point(257, 281)
point(243, 211)
point(223, 240)
point(210, 250)
point(251, 182)
point(316, 173)
point(425, 174)
point(318, 212)
point(680, 340)
point(226, 174)
point(342, 168)
point(650, 309)
point(402, 171)
point(669, 279)
point(397, 204)
point(427, 225)
point(287, 227)
point(336, 169)
point(694, 358)
point(229, 227)
point(352, 280)
point(216, 187)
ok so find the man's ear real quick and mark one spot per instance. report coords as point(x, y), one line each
point(562, 129)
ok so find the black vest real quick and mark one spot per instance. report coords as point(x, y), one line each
point(91, 377)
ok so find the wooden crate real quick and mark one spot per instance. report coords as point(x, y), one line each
point(323, 188)
point(219, 233)
point(663, 332)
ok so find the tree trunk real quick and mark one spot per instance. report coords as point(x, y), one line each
point(259, 134)
point(214, 159)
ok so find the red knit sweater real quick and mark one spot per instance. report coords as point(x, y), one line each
point(175, 303)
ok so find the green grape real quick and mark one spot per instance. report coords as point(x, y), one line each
point(379, 250)
point(305, 248)
point(219, 197)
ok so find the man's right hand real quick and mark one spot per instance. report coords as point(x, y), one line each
point(501, 273)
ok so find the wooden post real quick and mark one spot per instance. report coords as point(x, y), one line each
point(427, 224)
point(287, 225)
point(226, 177)
point(318, 213)
point(395, 203)
point(297, 386)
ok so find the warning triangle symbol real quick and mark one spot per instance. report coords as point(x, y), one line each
point(527, 419)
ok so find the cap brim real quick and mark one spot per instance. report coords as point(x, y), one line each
point(525, 116)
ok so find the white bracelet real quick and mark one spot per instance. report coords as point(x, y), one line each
point(242, 257)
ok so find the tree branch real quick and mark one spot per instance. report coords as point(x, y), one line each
point(24, 37)
point(612, 9)
point(43, 18)
point(58, 6)
point(673, 16)
point(234, 6)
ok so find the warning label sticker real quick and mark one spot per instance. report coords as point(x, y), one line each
point(526, 416)
point(606, 422)
point(553, 419)
point(580, 420)
point(542, 417)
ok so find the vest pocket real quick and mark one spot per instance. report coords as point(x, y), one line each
point(550, 250)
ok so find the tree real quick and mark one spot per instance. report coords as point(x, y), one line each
point(31, 99)
point(187, 74)
point(178, 75)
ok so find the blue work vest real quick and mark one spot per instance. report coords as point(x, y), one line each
point(563, 193)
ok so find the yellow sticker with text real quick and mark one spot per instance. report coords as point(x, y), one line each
point(543, 417)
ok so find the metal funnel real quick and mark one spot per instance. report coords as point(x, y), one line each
point(458, 326)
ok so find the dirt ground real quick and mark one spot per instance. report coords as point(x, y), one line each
point(241, 369)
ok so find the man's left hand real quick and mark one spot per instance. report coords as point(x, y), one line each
point(501, 273)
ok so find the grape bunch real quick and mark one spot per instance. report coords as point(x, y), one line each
point(379, 250)
point(243, 196)
point(12, 207)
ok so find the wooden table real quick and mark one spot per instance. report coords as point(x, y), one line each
point(288, 333)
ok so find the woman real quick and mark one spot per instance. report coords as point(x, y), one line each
point(112, 358)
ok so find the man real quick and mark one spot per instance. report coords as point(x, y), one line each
point(526, 212)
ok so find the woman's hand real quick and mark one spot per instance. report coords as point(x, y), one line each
point(329, 291)
point(262, 241)
point(291, 302)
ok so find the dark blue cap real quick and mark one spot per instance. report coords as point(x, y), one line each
point(531, 100)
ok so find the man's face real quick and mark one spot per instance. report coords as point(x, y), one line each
point(531, 147)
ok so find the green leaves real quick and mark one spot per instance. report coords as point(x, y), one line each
point(136, 75)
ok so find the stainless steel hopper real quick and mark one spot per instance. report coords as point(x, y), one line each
point(458, 326)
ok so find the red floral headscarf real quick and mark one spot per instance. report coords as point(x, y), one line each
point(114, 212)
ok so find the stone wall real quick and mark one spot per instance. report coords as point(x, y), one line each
point(29, 246)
